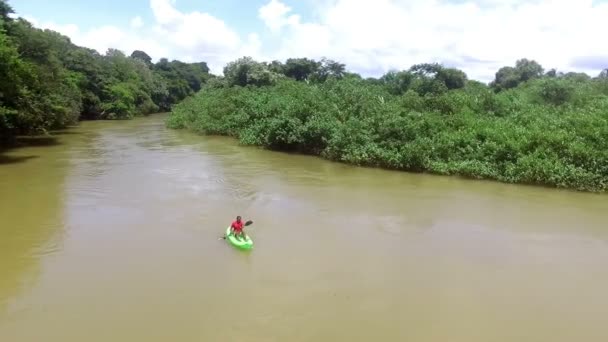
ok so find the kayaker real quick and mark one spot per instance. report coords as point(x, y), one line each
point(236, 228)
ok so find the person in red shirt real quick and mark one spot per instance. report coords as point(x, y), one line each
point(236, 228)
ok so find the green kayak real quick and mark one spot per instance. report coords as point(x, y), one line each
point(239, 242)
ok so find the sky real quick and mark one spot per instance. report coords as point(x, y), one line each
point(370, 36)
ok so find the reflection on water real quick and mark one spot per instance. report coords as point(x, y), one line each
point(31, 211)
point(111, 234)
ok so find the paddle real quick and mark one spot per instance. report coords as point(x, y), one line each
point(248, 223)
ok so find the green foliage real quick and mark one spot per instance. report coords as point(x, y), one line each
point(424, 79)
point(138, 54)
point(177, 80)
point(13, 71)
point(528, 69)
point(524, 70)
point(329, 69)
point(549, 129)
point(305, 69)
point(245, 71)
point(300, 68)
point(5, 10)
point(46, 82)
point(555, 91)
point(398, 82)
point(452, 78)
point(121, 104)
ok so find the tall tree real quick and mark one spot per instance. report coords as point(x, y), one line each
point(300, 68)
point(509, 77)
point(329, 68)
point(142, 56)
point(5, 10)
point(246, 71)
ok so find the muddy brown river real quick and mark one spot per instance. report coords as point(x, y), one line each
point(109, 232)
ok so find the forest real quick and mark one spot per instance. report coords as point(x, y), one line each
point(48, 83)
point(527, 126)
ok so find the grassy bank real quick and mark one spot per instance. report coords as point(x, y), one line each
point(550, 130)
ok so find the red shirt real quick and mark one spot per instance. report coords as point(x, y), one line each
point(238, 226)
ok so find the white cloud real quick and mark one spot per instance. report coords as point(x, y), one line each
point(273, 15)
point(137, 22)
point(190, 37)
point(69, 30)
point(476, 36)
point(193, 30)
point(373, 36)
point(105, 37)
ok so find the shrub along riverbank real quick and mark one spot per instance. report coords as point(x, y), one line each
point(528, 126)
point(46, 82)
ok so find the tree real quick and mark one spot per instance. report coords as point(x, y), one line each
point(506, 78)
point(452, 78)
point(300, 68)
point(433, 78)
point(426, 70)
point(551, 73)
point(5, 10)
point(245, 71)
point(182, 79)
point(555, 91)
point(93, 77)
point(329, 68)
point(14, 74)
point(509, 77)
point(528, 69)
point(138, 54)
point(398, 82)
point(276, 67)
point(577, 76)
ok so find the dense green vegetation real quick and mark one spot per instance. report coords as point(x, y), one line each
point(46, 82)
point(527, 126)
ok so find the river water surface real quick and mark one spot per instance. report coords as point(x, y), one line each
point(110, 233)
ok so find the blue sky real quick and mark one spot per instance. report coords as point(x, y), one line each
point(239, 14)
point(369, 36)
point(88, 14)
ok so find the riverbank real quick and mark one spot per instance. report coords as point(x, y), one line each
point(513, 136)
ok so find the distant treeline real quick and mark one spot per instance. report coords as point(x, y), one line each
point(527, 126)
point(46, 82)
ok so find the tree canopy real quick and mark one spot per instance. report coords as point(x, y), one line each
point(47, 82)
